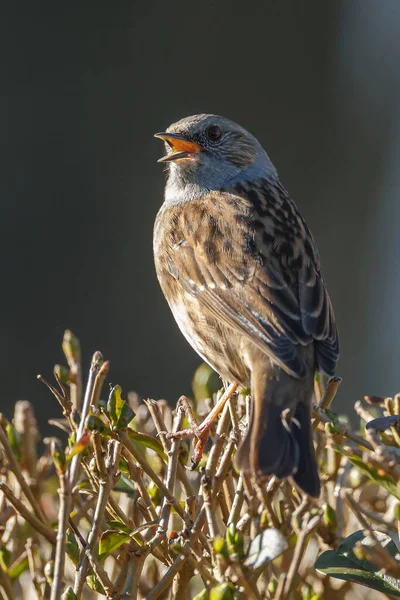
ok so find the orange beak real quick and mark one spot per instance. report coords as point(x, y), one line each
point(181, 147)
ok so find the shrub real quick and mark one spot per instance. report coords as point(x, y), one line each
point(114, 510)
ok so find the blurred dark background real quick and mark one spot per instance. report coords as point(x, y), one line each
point(83, 88)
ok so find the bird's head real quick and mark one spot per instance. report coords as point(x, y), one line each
point(208, 152)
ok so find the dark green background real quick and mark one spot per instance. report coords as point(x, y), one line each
point(83, 88)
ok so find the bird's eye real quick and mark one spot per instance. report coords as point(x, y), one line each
point(213, 133)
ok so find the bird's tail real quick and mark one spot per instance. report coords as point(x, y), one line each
point(278, 443)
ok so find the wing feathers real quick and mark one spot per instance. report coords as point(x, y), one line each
point(273, 293)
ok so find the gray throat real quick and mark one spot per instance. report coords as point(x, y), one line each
point(178, 190)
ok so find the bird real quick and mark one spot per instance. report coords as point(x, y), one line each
point(242, 275)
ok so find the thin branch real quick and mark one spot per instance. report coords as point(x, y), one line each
point(330, 392)
point(204, 573)
point(167, 579)
point(344, 432)
point(237, 502)
point(15, 468)
point(102, 576)
point(64, 493)
point(181, 583)
point(159, 423)
point(307, 526)
point(20, 507)
point(153, 475)
point(250, 589)
point(170, 481)
point(5, 584)
point(96, 364)
point(209, 506)
point(106, 485)
point(137, 563)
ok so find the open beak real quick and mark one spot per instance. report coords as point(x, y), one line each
point(181, 147)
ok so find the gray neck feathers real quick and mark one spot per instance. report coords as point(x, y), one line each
point(181, 188)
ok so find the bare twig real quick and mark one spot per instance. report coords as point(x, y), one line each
point(5, 585)
point(20, 507)
point(153, 475)
point(106, 485)
point(344, 432)
point(330, 392)
point(64, 493)
point(15, 468)
point(97, 362)
point(159, 423)
point(209, 506)
point(181, 582)
point(170, 481)
point(307, 526)
point(237, 502)
point(102, 576)
point(167, 579)
point(250, 589)
point(137, 563)
point(326, 400)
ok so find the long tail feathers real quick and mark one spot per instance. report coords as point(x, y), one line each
point(274, 446)
point(306, 476)
point(275, 450)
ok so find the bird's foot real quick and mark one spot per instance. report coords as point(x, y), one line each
point(200, 432)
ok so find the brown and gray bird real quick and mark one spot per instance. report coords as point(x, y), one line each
point(242, 276)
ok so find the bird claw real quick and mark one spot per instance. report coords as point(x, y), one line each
point(200, 435)
point(200, 432)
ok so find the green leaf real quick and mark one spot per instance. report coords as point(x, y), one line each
point(5, 557)
point(345, 563)
point(58, 456)
point(69, 594)
point(384, 480)
point(205, 382)
point(110, 540)
point(71, 547)
point(80, 446)
point(221, 547)
point(94, 423)
point(18, 567)
point(203, 595)
point(15, 441)
point(94, 585)
point(71, 348)
point(182, 504)
point(265, 548)
point(119, 526)
point(155, 494)
point(49, 571)
point(149, 441)
point(235, 541)
point(223, 591)
point(119, 411)
point(124, 485)
point(62, 373)
point(330, 518)
point(123, 466)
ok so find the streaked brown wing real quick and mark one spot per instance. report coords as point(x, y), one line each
point(318, 319)
point(257, 288)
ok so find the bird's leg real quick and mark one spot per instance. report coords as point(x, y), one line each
point(194, 425)
point(201, 432)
